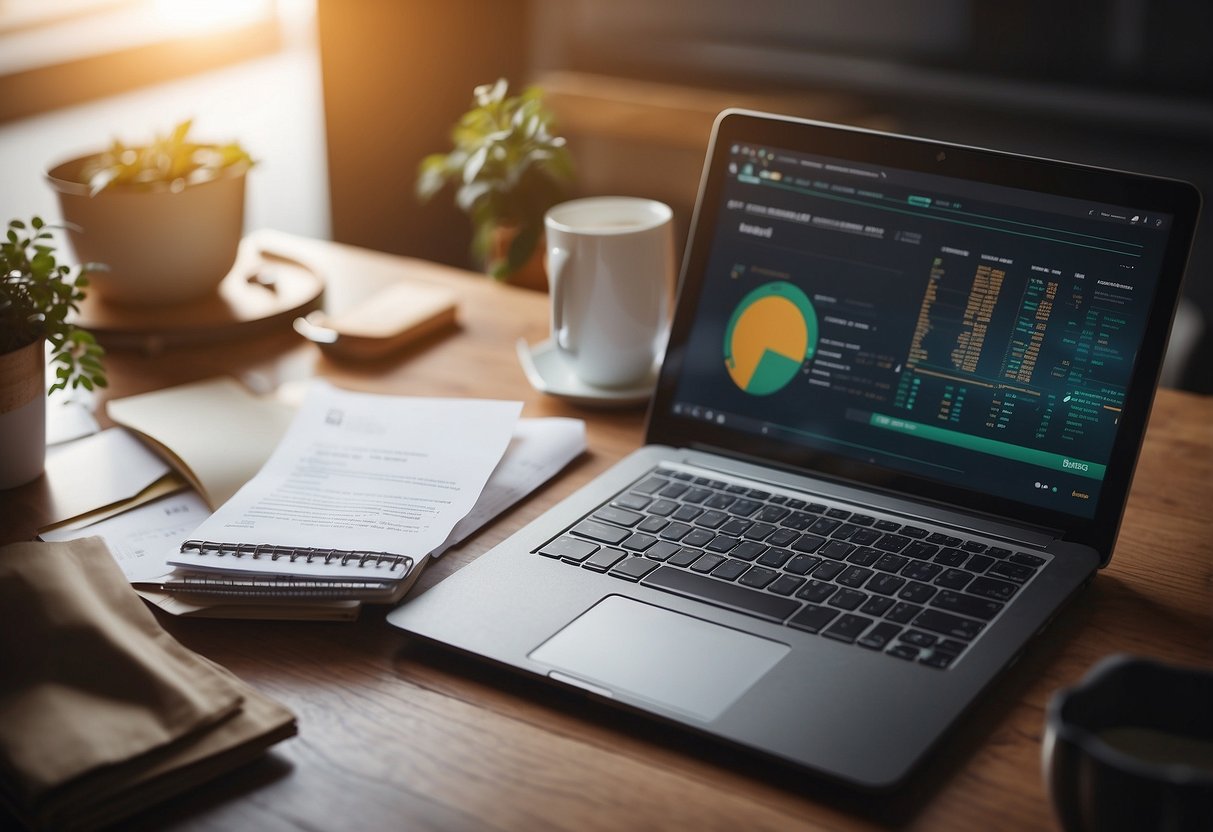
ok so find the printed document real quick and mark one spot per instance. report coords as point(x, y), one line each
point(540, 448)
point(139, 539)
point(366, 472)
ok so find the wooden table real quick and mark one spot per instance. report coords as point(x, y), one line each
point(397, 735)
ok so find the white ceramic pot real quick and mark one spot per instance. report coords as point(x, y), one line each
point(160, 246)
point(22, 415)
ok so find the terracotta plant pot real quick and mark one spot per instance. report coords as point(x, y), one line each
point(22, 415)
point(161, 246)
point(532, 274)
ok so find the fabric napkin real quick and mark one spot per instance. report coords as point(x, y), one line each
point(96, 698)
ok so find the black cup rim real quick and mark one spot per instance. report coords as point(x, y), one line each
point(1063, 728)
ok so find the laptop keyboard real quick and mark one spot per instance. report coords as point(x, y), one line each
point(910, 591)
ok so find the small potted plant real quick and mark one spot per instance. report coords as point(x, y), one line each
point(509, 169)
point(166, 217)
point(36, 296)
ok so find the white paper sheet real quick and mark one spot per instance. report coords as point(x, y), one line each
point(68, 420)
point(539, 449)
point(140, 539)
point(362, 472)
point(99, 470)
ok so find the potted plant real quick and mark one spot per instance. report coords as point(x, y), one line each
point(509, 169)
point(166, 217)
point(36, 296)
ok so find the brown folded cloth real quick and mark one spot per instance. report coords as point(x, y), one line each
point(102, 712)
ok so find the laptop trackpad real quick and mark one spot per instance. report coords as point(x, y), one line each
point(667, 658)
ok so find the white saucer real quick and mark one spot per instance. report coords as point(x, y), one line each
point(548, 372)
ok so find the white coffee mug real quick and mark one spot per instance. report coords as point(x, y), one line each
point(610, 264)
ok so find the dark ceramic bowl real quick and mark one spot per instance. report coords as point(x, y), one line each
point(1131, 748)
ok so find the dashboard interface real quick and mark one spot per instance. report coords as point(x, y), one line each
point(976, 335)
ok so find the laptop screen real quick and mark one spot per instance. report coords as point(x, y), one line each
point(975, 335)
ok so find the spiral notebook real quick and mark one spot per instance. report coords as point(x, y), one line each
point(358, 480)
point(290, 574)
point(213, 578)
point(297, 562)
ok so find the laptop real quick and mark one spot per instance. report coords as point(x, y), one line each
point(894, 430)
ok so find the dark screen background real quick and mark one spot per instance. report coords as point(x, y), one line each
point(979, 338)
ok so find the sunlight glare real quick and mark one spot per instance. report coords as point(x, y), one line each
point(200, 15)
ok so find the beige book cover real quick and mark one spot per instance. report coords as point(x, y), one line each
point(214, 432)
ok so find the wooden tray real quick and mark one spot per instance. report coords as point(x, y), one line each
point(263, 292)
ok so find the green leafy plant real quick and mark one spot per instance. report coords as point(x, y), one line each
point(171, 161)
point(509, 169)
point(36, 296)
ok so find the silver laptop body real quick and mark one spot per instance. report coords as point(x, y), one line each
point(831, 544)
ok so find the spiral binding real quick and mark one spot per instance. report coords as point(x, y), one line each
point(259, 550)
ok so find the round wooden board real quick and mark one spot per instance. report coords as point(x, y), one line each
point(261, 293)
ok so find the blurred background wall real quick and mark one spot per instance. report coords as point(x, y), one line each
point(340, 99)
point(635, 83)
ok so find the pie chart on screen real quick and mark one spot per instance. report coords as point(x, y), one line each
point(772, 332)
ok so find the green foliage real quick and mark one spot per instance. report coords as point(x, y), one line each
point(36, 296)
point(508, 167)
point(170, 160)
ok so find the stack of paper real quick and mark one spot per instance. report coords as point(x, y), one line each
point(102, 475)
point(360, 491)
